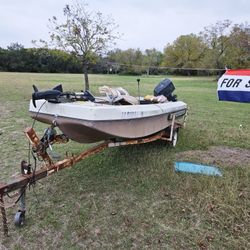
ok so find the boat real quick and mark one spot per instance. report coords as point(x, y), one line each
point(85, 118)
point(117, 119)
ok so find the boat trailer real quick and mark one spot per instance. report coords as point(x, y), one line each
point(30, 174)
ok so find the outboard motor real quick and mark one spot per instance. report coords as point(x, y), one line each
point(166, 88)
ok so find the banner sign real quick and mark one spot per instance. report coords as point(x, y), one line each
point(234, 86)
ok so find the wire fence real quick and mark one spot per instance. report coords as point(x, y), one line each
point(133, 69)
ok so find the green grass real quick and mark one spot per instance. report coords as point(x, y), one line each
point(130, 197)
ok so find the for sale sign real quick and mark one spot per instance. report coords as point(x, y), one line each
point(234, 86)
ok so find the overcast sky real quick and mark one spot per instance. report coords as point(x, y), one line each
point(144, 23)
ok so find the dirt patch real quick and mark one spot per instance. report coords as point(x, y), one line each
point(219, 155)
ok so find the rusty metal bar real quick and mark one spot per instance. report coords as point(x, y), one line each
point(37, 147)
point(4, 217)
point(138, 141)
point(23, 180)
point(49, 167)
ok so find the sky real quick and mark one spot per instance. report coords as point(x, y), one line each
point(145, 24)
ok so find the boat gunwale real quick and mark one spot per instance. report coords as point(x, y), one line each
point(123, 119)
point(125, 113)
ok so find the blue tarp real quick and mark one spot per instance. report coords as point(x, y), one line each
point(194, 168)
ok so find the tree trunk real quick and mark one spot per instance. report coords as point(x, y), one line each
point(86, 78)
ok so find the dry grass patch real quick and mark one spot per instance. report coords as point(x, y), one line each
point(218, 155)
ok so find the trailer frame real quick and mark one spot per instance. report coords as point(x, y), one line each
point(29, 176)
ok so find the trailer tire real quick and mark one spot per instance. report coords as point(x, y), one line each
point(19, 219)
point(174, 138)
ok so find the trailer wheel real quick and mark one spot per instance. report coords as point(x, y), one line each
point(175, 138)
point(19, 219)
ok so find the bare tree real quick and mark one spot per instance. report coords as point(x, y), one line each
point(85, 34)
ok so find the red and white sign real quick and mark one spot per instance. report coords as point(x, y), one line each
point(234, 85)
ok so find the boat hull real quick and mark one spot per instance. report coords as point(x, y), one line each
point(93, 131)
point(89, 131)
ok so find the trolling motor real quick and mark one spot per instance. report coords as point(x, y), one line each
point(52, 94)
point(56, 95)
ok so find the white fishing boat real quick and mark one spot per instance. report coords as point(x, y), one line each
point(86, 119)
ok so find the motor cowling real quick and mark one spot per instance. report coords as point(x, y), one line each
point(166, 88)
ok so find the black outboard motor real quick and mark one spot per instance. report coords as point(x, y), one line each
point(52, 94)
point(166, 88)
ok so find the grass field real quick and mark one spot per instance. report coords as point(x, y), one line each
point(130, 197)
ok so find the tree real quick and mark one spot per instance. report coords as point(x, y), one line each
point(129, 61)
point(15, 46)
point(217, 39)
point(127, 57)
point(152, 58)
point(16, 54)
point(238, 53)
point(186, 51)
point(85, 34)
